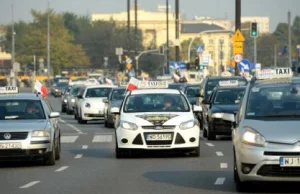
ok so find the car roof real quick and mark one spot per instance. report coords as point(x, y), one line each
point(20, 96)
point(155, 91)
point(294, 80)
point(119, 88)
point(229, 87)
point(100, 86)
point(225, 77)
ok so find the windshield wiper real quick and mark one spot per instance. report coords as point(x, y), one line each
point(11, 117)
point(283, 115)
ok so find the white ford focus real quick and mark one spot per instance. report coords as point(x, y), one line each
point(157, 119)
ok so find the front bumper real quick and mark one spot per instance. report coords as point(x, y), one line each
point(184, 139)
point(265, 162)
point(220, 126)
point(89, 114)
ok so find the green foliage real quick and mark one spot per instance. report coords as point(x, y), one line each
point(152, 64)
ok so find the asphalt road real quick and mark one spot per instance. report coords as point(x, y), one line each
point(88, 165)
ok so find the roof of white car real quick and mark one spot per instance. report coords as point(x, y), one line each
point(155, 91)
point(101, 86)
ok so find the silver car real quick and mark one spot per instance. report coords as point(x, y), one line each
point(266, 138)
point(64, 99)
point(70, 98)
point(114, 100)
point(28, 128)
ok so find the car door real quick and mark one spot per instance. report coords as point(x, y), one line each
point(78, 99)
point(53, 121)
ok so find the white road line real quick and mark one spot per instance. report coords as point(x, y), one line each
point(220, 181)
point(210, 144)
point(219, 154)
point(84, 147)
point(102, 138)
point(71, 126)
point(73, 134)
point(62, 168)
point(109, 138)
point(97, 133)
point(78, 156)
point(29, 184)
point(68, 139)
point(223, 165)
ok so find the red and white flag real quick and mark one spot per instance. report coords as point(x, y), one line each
point(109, 81)
point(40, 88)
point(133, 84)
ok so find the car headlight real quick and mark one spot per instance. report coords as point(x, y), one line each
point(252, 137)
point(217, 115)
point(188, 124)
point(65, 100)
point(87, 105)
point(56, 90)
point(73, 100)
point(41, 133)
point(128, 125)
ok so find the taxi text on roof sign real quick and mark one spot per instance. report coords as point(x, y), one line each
point(9, 90)
point(152, 84)
point(276, 73)
point(228, 83)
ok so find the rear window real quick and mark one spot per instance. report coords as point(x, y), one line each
point(97, 92)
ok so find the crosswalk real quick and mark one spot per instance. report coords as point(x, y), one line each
point(95, 139)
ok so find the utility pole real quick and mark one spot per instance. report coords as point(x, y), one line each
point(255, 50)
point(237, 25)
point(177, 30)
point(290, 40)
point(48, 42)
point(128, 17)
point(135, 25)
point(167, 43)
point(221, 54)
point(275, 55)
point(12, 73)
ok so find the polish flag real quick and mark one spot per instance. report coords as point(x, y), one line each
point(133, 84)
point(109, 81)
point(40, 88)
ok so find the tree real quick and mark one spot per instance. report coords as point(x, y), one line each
point(31, 38)
point(152, 64)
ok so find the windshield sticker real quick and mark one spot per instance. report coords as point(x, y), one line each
point(251, 114)
point(255, 89)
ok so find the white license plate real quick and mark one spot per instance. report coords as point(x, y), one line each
point(159, 137)
point(289, 162)
point(4, 146)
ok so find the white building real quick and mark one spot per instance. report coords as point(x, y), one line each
point(263, 23)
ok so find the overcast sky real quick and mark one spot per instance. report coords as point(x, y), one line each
point(275, 9)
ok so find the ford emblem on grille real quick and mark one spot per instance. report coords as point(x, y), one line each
point(7, 136)
point(157, 127)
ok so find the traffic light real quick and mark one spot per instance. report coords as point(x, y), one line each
point(201, 67)
point(254, 31)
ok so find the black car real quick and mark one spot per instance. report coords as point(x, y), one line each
point(206, 88)
point(223, 104)
point(191, 91)
point(58, 89)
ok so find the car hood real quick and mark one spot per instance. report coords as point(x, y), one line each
point(158, 118)
point(224, 108)
point(276, 131)
point(23, 125)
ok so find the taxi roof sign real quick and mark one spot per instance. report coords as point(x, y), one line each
point(227, 83)
point(277, 73)
point(9, 90)
point(152, 84)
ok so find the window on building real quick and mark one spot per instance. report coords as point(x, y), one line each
point(211, 41)
point(211, 54)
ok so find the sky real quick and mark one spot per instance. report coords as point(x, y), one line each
point(276, 10)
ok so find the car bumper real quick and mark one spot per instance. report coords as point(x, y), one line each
point(57, 93)
point(265, 164)
point(184, 139)
point(92, 114)
point(220, 126)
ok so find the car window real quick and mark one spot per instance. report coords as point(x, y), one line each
point(228, 96)
point(21, 110)
point(192, 91)
point(97, 92)
point(117, 95)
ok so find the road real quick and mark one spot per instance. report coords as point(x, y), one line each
point(88, 165)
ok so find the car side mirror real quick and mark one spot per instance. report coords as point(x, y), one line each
point(79, 96)
point(197, 108)
point(105, 100)
point(54, 115)
point(115, 110)
point(237, 101)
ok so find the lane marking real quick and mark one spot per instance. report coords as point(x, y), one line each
point(84, 147)
point(73, 134)
point(220, 181)
point(29, 184)
point(104, 133)
point(210, 144)
point(109, 138)
point(223, 165)
point(68, 139)
point(71, 126)
point(78, 156)
point(62, 168)
point(219, 154)
point(102, 138)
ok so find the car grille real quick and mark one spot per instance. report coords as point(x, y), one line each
point(159, 126)
point(277, 171)
point(14, 135)
point(159, 142)
point(20, 153)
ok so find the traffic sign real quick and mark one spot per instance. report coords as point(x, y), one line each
point(238, 36)
point(244, 65)
point(200, 49)
point(238, 47)
point(119, 51)
point(205, 60)
point(238, 58)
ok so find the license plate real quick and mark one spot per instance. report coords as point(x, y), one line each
point(4, 146)
point(289, 162)
point(159, 137)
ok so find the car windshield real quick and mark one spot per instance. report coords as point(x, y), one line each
point(192, 91)
point(97, 92)
point(118, 94)
point(21, 110)
point(156, 103)
point(62, 84)
point(74, 91)
point(211, 84)
point(276, 100)
point(228, 96)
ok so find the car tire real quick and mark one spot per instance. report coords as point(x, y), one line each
point(210, 135)
point(197, 151)
point(63, 109)
point(75, 116)
point(69, 112)
point(105, 124)
point(205, 133)
point(239, 185)
point(110, 125)
point(80, 121)
point(58, 150)
point(49, 160)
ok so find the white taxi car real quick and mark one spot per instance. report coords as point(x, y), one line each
point(157, 119)
point(90, 105)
